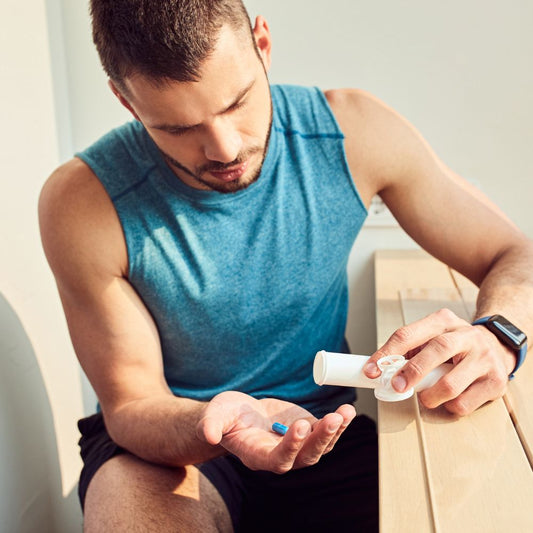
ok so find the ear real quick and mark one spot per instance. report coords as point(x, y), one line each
point(263, 40)
point(122, 99)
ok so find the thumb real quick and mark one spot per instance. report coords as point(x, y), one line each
point(210, 429)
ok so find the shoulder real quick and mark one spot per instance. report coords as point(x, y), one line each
point(349, 100)
point(349, 104)
point(381, 145)
point(79, 225)
point(363, 114)
point(67, 185)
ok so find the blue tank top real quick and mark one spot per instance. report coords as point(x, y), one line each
point(246, 287)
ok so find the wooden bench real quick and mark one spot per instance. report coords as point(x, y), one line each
point(439, 472)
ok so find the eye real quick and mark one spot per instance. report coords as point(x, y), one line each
point(179, 132)
point(238, 105)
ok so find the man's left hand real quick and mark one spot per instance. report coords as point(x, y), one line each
point(481, 363)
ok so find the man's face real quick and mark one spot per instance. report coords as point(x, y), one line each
point(214, 132)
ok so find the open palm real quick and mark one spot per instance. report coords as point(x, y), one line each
point(242, 425)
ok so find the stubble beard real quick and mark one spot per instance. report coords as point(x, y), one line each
point(231, 186)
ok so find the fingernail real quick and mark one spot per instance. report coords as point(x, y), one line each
point(302, 431)
point(399, 383)
point(333, 427)
point(371, 368)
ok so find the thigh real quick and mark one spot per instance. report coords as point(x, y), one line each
point(129, 494)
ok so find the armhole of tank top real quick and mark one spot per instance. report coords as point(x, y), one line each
point(347, 170)
point(89, 161)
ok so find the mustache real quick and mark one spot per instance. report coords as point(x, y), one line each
point(217, 166)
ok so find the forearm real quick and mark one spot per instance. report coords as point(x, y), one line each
point(161, 430)
point(507, 288)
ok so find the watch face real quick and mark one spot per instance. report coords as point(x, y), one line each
point(507, 331)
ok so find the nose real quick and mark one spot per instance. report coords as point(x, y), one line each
point(223, 142)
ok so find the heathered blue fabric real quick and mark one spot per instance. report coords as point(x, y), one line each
point(244, 288)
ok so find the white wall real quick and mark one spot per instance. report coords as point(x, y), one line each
point(40, 393)
point(458, 70)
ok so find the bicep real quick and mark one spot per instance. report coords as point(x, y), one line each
point(444, 213)
point(116, 341)
point(440, 210)
point(113, 333)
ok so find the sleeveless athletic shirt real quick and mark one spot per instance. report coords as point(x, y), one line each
point(244, 287)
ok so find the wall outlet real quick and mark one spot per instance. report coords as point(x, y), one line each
point(379, 215)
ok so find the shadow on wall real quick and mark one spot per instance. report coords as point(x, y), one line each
point(30, 485)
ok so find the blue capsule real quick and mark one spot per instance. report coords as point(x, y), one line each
point(279, 428)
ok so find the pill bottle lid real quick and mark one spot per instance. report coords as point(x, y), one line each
point(389, 365)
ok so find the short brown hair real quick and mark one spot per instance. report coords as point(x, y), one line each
point(161, 39)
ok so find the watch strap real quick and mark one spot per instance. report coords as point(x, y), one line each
point(520, 353)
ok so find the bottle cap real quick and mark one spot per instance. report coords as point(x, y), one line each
point(389, 365)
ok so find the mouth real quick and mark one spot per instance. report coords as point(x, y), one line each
point(230, 174)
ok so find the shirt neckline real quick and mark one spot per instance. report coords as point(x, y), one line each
point(215, 197)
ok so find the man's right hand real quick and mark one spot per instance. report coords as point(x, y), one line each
point(243, 426)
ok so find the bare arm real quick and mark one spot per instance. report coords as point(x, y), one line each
point(457, 224)
point(118, 346)
point(112, 332)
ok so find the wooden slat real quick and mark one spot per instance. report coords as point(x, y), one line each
point(422, 302)
point(519, 401)
point(477, 471)
point(406, 269)
point(404, 500)
point(476, 465)
point(401, 460)
point(468, 292)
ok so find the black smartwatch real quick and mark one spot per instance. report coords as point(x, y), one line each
point(507, 334)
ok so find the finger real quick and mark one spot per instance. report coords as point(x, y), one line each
point(463, 383)
point(346, 410)
point(319, 440)
point(408, 339)
point(437, 351)
point(453, 384)
point(348, 413)
point(284, 454)
point(210, 429)
point(475, 396)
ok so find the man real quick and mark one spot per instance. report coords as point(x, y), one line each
point(200, 254)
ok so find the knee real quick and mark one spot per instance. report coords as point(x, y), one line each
point(129, 494)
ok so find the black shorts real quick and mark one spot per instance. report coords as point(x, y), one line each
point(339, 493)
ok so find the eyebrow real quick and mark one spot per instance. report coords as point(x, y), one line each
point(237, 99)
